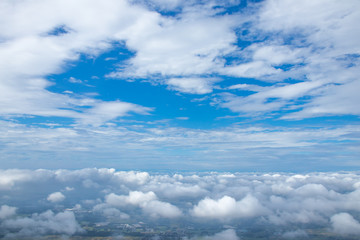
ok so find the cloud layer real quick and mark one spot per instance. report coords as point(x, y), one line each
point(242, 147)
point(283, 201)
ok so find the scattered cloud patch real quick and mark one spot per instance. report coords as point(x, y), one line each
point(106, 111)
point(74, 80)
point(345, 224)
point(62, 223)
point(228, 208)
point(191, 85)
point(147, 201)
point(7, 211)
point(56, 197)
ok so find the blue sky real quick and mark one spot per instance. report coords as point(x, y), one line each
point(180, 85)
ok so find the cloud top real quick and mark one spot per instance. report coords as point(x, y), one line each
point(56, 197)
point(278, 200)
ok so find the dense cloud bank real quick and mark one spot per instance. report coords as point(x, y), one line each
point(39, 202)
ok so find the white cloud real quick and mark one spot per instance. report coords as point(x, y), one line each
point(289, 216)
point(69, 189)
point(281, 200)
point(105, 111)
point(345, 224)
point(183, 47)
point(114, 213)
point(29, 53)
point(9, 178)
point(132, 177)
point(74, 80)
point(7, 211)
point(145, 144)
point(246, 87)
point(228, 208)
point(249, 105)
point(335, 100)
point(315, 40)
point(147, 201)
point(110, 212)
point(255, 69)
point(176, 190)
point(191, 85)
point(161, 209)
point(42, 224)
point(180, 49)
point(56, 197)
point(275, 55)
point(134, 198)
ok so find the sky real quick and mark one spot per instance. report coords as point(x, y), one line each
point(180, 85)
point(235, 115)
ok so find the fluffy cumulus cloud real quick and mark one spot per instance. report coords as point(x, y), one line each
point(147, 201)
point(345, 224)
point(56, 197)
point(7, 211)
point(134, 198)
point(62, 223)
point(192, 44)
point(9, 177)
point(109, 212)
point(228, 207)
point(293, 204)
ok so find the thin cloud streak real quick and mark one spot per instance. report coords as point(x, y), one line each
point(257, 143)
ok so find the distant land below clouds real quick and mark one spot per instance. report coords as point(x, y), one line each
point(37, 203)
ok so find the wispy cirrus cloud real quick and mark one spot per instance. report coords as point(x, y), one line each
point(143, 143)
point(317, 52)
